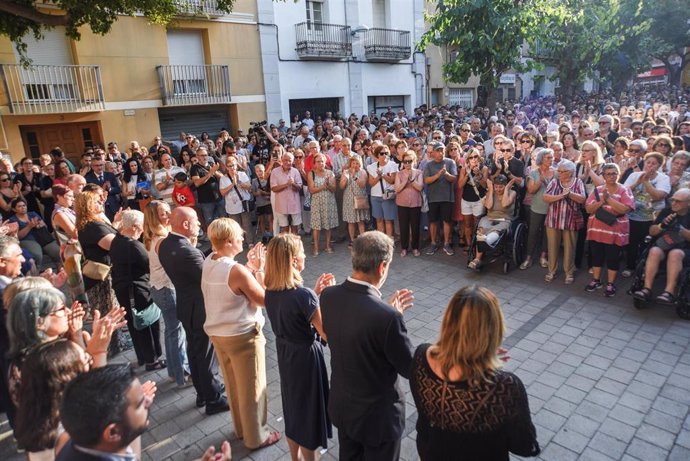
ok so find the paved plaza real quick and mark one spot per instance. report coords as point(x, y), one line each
point(605, 381)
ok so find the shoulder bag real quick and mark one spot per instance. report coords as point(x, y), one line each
point(386, 194)
point(146, 317)
point(42, 235)
point(247, 205)
point(361, 202)
point(603, 215)
point(476, 191)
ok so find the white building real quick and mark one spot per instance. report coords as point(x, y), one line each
point(345, 56)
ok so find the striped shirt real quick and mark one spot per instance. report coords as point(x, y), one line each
point(565, 214)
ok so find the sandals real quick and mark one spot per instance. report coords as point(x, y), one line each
point(526, 264)
point(329, 250)
point(475, 264)
point(415, 253)
point(666, 298)
point(403, 253)
point(273, 437)
point(569, 279)
point(645, 294)
point(157, 365)
point(549, 277)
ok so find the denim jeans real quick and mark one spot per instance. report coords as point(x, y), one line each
point(175, 341)
point(212, 210)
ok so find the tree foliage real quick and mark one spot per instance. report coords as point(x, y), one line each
point(20, 17)
point(489, 35)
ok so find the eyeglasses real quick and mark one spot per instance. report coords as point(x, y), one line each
point(634, 151)
point(4, 179)
point(472, 156)
point(603, 123)
point(668, 146)
point(407, 162)
point(416, 144)
point(384, 153)
point(525, 141)
point(60, 311)
point(564, 171)
point(465, 130)
point(298, 157)
point(506, 150)
point(436, 139)
point(613, 173)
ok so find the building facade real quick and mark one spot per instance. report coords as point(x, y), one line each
point(344, 57)
point(201, 73)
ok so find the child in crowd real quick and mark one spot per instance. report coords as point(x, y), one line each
point(182, 194)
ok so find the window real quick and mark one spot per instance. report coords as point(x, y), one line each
point(460, 97)
point(314, 14)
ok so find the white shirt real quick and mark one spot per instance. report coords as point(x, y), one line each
point(233, 202)
point(166, 194)
point(390, 167)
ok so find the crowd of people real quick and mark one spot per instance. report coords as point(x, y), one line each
point(121, 234)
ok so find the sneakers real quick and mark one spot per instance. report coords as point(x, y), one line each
point(447, 249)
point(627, 273)
point(218, 406)
point(433, 248)
point(610, 290)
point(593, 285)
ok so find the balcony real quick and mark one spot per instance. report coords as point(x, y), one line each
point(321, 41)
point(387, 45)
point(207, 8)
point(190, 85)
point(45, 89)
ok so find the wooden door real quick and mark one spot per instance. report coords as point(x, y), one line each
point(72, 138)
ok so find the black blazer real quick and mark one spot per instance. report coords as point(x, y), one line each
point(112, 204)
point(369, 349)
point(183, 263)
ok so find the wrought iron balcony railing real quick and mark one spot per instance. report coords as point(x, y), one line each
point(43, 89)
point(316, 40)
point(188, 85)
point(199, 8)
point(387, 45)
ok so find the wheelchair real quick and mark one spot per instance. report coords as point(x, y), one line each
point(510, 246)
point(681, 302)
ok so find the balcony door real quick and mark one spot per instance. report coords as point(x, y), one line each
point(72, 138)
point(47, 79)
point(186, 56)
point(379, 13)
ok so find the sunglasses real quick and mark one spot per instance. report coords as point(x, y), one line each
point(506, 150)
point(298, 156)
point(525, 141)
point(465, 131)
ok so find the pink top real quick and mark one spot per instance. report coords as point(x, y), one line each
point(287, 200)
point(618, 234)
point(409, 197)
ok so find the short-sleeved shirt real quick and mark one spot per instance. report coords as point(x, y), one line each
point(290, 313)
point(440, 190)
point(565, 214)
point(233, 201)
point(645, 207)
point(389, 167)
point(287, 200)
point(183, 196)
point(166, 194)
point(619, 233)
point(538, 205)
point(264, 185)
point(674, 226)
point(89, 237)
point(208, 192)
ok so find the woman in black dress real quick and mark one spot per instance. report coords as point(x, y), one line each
point(294, 314)
point(468, 408)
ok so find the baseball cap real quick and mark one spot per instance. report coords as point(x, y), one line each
point(438, 146)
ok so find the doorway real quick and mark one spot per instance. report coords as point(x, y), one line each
point(72, 138)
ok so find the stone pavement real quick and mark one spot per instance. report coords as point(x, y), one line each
point(605, 381)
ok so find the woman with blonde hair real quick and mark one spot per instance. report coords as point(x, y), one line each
point(233, 297)
point(156, 228)
point(296, 319)
point(461, 375)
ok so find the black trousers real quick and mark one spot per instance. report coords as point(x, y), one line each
point(638, 231)
point(408, 218)
point(352, 450)
point(605, 253)
point(202, 363)
point(146, 342)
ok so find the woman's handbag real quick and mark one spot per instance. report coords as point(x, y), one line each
point(95, 270)
point(361, 202)
point(146, 317)
point(42, 235)
point(603, 215)
point(386, 194)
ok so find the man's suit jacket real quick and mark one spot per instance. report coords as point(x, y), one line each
point(112, 204)
point(369, 348)
point(183, 263)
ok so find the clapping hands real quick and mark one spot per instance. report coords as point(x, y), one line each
point(402, 300)
point(256, 257)
point(324, 280)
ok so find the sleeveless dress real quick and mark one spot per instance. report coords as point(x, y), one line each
point(324, 210)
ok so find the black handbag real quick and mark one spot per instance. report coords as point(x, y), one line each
point(42, 235)
point(603, 215)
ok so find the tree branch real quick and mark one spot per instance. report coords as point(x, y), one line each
point(32, 14)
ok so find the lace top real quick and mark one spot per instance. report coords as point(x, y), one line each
point(460, 421)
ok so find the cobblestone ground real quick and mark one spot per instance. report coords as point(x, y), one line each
point(605, 380)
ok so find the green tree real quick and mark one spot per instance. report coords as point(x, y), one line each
point(19, 17)
point(489, 36)
point(669, 35)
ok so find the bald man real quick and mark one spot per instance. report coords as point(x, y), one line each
point(183, 262)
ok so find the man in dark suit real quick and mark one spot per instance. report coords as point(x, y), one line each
point(108, 182)
point(369, 349)
point(182, 261)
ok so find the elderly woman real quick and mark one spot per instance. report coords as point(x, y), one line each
point(30, 223)
point(131, 282)
point(233, 296)
point(295, 318)
point(409, 183)
point(537, 182)
point(606, 240)
point(678, 174)
point(650, 187)
point(457, 373)
point(564, 197)
point(500, 206)
point(156, 228)
point(355, 199)
point(236, 187)
point(324, 210)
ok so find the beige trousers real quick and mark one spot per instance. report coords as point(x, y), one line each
point(569, 238)
point(243, 361)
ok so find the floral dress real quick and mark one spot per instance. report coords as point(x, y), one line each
point(350, 215)
point(324, 211)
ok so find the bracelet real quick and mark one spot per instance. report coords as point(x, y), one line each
point(257, 271)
